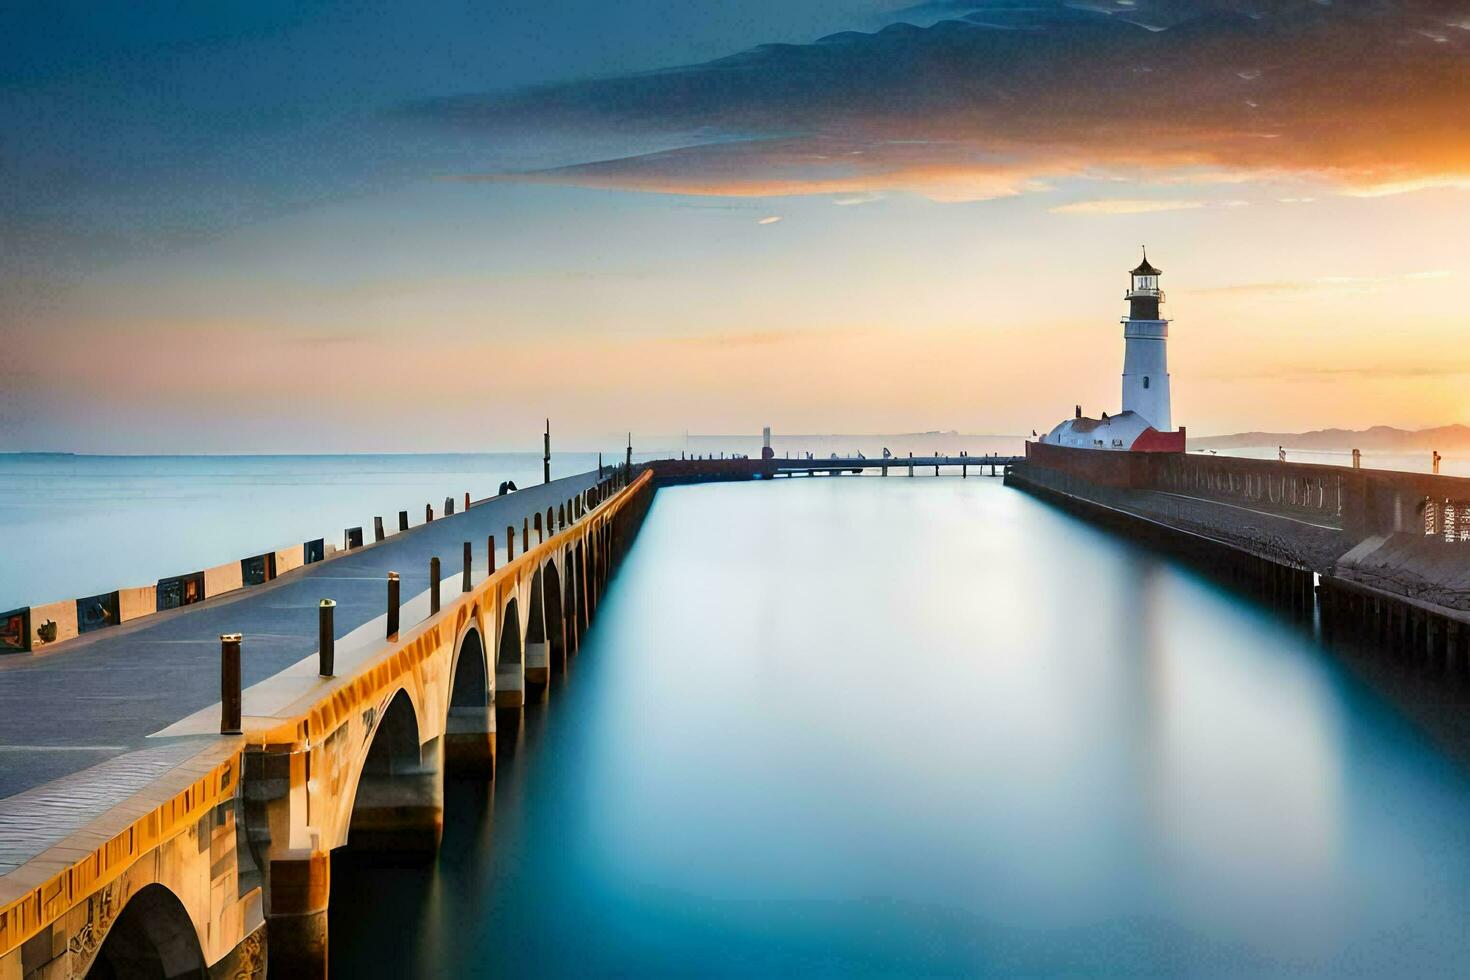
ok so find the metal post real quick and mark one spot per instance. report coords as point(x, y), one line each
point(326, 639)
point(392, 605)
point(561, 516)
point(229, 683)
point(510, 542)
point(490, 550)
point(403, 520)
point(464, 583)
point(525, 535)
point(539, 538)
point(433, 585)
point(377, 529)
point(546, 456)
point(911, 463)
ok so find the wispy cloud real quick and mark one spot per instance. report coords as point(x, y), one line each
point(1330, 283)
point(1127, 206)
point(1362, 372)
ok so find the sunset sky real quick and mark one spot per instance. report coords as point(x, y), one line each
point(291, 227)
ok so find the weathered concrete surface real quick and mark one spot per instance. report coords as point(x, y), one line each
point(64, 710)
point(1414, 565)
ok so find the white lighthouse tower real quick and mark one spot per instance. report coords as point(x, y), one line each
point(1145, 339)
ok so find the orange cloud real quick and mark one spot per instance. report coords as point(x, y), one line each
point(1371, 98)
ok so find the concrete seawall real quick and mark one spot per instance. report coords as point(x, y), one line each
point(1371, 552)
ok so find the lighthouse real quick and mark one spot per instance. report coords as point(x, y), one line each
point(1145, 341)
point(1145, 425)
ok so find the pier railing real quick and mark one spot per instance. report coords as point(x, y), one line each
point(1356, 501)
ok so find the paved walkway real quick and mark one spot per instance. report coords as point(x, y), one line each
point(100, 696)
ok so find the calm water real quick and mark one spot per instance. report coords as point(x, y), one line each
point(932, 726)
point(79, 525)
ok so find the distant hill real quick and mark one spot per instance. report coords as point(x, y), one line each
point(1380, 438)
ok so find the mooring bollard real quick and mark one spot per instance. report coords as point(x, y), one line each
point(377, 529)
point(403, 520)
point(510, 542)
point(490, 550)
point(326, 639)
point(392, 605)
point(433, 585)
point(229, 683)
point(464, 583)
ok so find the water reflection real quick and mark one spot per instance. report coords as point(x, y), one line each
point(933, 726)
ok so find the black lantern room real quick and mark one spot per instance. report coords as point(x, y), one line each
point(1144, 294)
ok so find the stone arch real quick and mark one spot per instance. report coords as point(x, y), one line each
point(509, 649)
point(469, 728)
point(538, 649)
point(579, 587)
point(552, 613)
point(153, 936)
point(398, 809)
point(535, 612)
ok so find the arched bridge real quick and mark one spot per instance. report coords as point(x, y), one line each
point(209, 853)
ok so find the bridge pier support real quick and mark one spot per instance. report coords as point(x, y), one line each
point(399, 810)
point(538, 669)
point(296, 915)
point(469, 741)
point(510, 685)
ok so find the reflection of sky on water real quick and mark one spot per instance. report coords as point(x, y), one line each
point(935, 726)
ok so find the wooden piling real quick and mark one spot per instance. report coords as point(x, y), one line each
point(377, 529)
point(403, 520)
point(326, 638)
point(490, 551)
point(464, 582)
point(433, 585)
point(229, 683)
point(392, 605)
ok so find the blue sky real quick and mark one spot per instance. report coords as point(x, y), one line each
point(234, 227)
